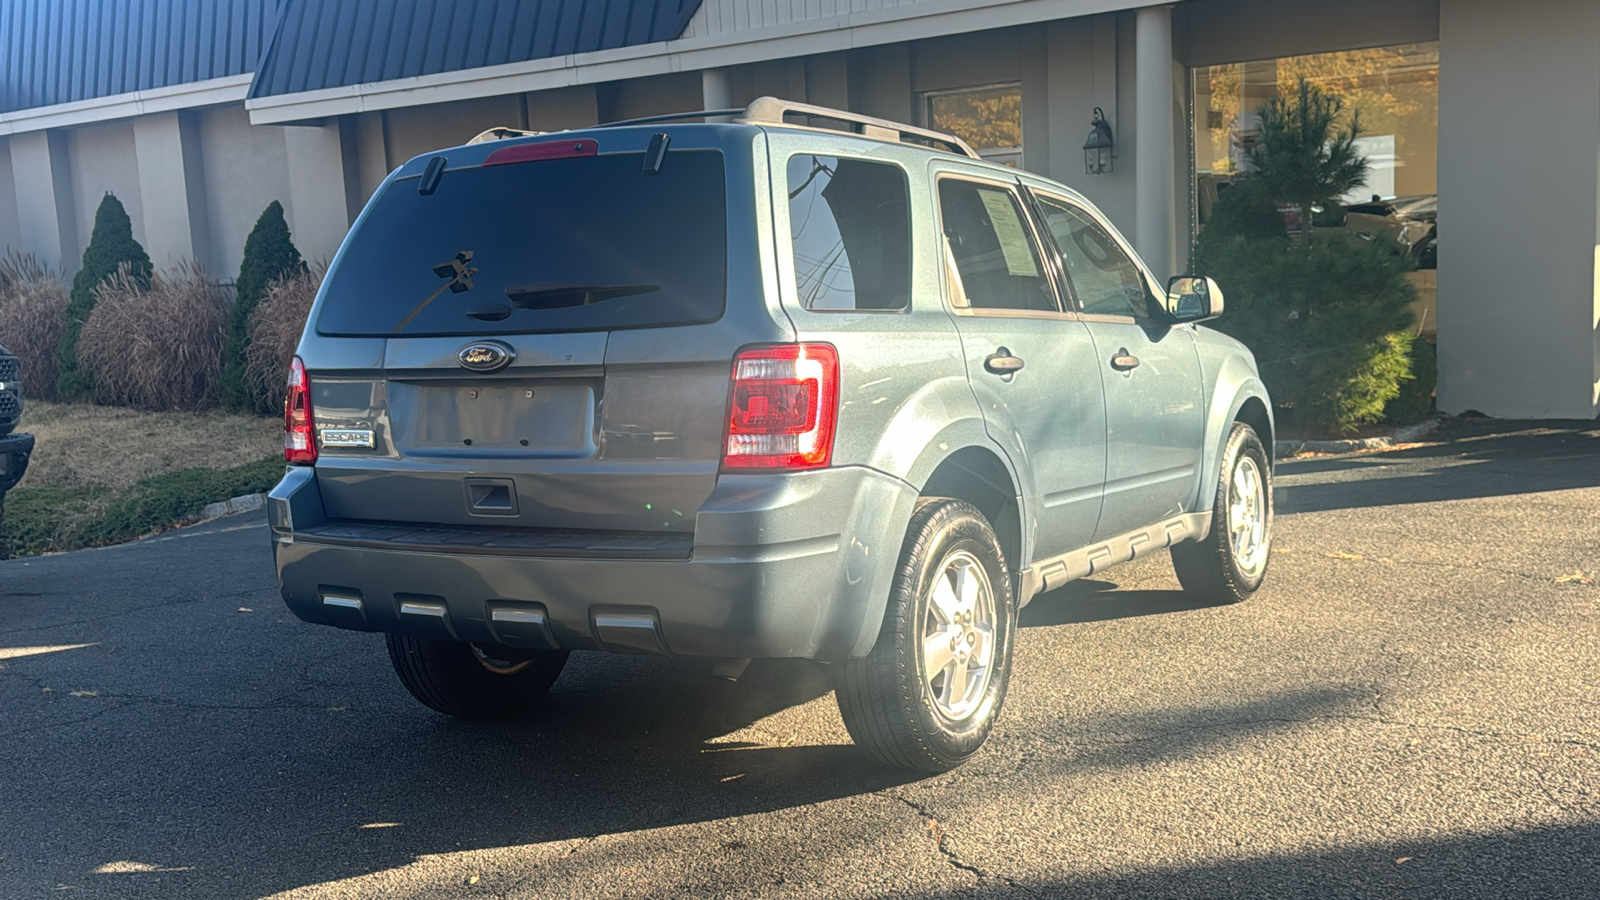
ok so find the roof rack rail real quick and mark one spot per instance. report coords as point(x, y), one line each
point(773, 111)
point(500, 133)
point(672, 117)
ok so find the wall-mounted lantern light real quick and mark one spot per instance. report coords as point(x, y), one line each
point(1097, 149)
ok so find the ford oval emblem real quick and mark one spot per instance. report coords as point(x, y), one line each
point(486, 356)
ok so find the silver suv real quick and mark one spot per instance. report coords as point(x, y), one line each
point(797, 384)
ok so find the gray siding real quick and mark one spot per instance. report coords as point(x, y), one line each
point(60, 51)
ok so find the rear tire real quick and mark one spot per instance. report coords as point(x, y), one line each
point(474, 681)
point(1229, 564)
point(928, 694)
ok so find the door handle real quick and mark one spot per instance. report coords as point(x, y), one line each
point(1123, 361)
point(1001, 362)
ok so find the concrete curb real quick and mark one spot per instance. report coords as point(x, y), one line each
point(244, 503)
point(1291, 449)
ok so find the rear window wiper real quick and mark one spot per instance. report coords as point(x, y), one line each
point(556, 295)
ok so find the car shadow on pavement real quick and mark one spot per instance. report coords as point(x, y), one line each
point(349, 776)
point(1096, 600)
point(1466, 458)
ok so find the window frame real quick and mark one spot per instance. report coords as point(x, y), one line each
point(1037, 197)
point(1048, 261)
point(911, 235)
point(925, 113)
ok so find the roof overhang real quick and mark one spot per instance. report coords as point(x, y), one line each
point(228, 89)
point(911, 21)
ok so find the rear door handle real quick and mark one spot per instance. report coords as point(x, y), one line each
point(1001, 362)
point(1124, 361)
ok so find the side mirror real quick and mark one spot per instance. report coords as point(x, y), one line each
point(1193, 298)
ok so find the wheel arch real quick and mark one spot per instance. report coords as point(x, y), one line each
point(1253, 412)
point(977, 475)
point(1238, 396)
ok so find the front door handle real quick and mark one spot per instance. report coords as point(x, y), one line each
point(1001, 362)
point(1124, 361)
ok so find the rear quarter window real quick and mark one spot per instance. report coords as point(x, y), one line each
point(588, 243)
point(850, 227)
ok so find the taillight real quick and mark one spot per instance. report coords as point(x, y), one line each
point(299, 428)
point(782, 407)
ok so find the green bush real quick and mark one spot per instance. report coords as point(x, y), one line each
point(111, 246)
point(1415, 401)
point(269, 256)
point(1329, 325)
point(46, 519)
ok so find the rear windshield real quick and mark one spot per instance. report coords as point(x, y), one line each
point(553, 245)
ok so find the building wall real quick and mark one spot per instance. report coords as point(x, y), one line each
point(1519, 291)
point(640, 97)
point(102, 158)
point(418, 129)
point(245, 167)
point(10, 230)
point(562, 108)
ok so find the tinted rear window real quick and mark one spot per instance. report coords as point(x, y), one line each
point(554, 245)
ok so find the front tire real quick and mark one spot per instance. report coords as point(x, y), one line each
point(473, 681)
point(1229, 564)
point(928, 694)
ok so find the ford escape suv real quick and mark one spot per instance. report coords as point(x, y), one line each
point(796, 384)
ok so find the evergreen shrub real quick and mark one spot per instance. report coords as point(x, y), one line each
point(269, 256)
point(274, 330)
point(1329, 326)
point(111, 248)
point(1415, 401)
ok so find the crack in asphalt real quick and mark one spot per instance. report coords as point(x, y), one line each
point(131, 700)
point(84, 620)
point(942, 842)
point(50, 725)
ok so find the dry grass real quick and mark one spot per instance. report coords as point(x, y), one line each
point(33, 304)
point(159, 349)
point(275, 326)
point(84, 446)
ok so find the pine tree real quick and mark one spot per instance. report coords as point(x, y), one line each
point(111, 245)
point(1301, 157)
point(269, 255)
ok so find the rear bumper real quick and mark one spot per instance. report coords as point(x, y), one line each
point(788, 565)
point(15, 451)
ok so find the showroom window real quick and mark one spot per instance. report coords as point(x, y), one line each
point(988, 118)
point(1396, 91)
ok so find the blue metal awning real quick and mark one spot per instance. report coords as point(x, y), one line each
point(323, 44)
point(62, 51)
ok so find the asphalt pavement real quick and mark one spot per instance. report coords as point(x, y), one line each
point(1409, 708)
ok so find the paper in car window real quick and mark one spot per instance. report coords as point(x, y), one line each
point(1008, 229)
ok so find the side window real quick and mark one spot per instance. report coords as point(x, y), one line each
point(994, 257)
point(850, 222)
point(1105, 281)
